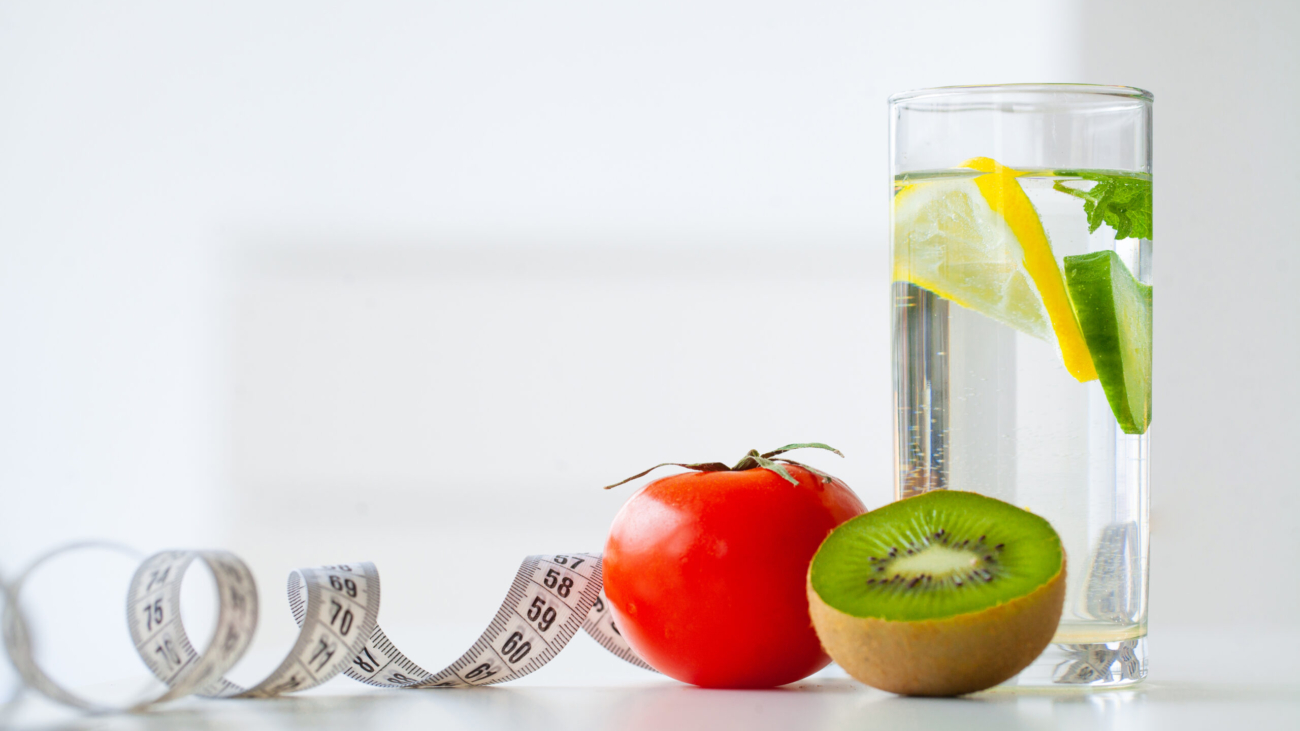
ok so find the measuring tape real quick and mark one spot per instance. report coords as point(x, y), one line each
point(337, 611)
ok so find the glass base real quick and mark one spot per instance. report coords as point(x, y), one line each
point(1083, 666)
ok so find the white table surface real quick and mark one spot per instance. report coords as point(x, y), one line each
point(1199, 680)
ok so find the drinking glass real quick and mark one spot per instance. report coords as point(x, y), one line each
point(1021, 245)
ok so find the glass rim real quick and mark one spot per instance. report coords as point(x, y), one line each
point(1126, 92)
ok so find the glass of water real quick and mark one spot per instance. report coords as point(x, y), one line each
point(1021, 244)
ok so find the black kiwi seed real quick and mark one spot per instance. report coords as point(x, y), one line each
point(914, 546)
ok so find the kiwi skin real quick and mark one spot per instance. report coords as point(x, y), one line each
point(942, 657)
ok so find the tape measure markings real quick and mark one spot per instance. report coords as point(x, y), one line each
point(336, 608)
point(159, 635)
point(521, 629)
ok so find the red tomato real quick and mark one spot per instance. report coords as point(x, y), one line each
point(706, 574)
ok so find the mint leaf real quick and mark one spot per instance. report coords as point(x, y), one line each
point(1121, 201)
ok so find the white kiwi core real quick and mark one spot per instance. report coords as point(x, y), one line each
point(936, 560)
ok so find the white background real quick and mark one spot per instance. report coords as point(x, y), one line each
point(410, 281)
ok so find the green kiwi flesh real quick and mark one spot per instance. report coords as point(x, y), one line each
point(933, 556)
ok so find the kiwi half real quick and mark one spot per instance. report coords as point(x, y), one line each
point(940, 594)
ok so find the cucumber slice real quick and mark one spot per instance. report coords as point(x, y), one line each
point(1114, 311)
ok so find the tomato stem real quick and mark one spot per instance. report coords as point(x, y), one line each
point(751, 460)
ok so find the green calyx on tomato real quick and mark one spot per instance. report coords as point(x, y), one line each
point(751, 460)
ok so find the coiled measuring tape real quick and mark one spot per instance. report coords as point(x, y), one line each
point(337, 611)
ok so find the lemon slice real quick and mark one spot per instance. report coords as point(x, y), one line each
point(948, 240)
point(1004, 194)
point(978, 242)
